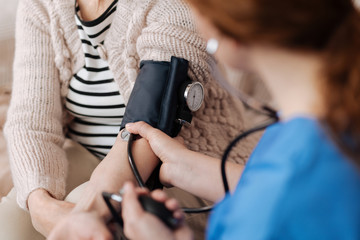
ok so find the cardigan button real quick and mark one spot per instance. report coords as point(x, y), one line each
point(102, 52)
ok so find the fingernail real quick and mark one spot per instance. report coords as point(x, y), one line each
point(178, 215)
point(121, 191)
point(128, 125)
point(126, 188)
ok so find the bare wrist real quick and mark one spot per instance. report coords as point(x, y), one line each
point(173, 170)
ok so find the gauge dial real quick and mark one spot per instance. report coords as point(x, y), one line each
point(194, 96)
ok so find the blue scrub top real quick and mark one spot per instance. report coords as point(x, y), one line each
point(296, 185)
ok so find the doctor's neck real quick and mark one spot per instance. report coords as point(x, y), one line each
point(293, 78)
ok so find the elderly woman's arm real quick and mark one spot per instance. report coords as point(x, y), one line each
point(113, 171)
point(34, 129)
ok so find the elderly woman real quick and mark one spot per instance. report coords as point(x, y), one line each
point(75, 65)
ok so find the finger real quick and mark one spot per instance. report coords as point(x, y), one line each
point(172, 204)
point(178, 214)
point(159, 195)
point(141, 128)
point(141, 191)
point(145, 130)
point(131, 208)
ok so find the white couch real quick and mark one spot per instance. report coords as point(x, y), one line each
point(7, 30)
point(7, 27)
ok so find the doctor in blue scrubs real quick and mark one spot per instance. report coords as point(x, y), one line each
point(303, 179)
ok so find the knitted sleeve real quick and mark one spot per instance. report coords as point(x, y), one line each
point(34, 125)
point(157, 30)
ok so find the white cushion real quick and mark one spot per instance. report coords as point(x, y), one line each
point(7, 31)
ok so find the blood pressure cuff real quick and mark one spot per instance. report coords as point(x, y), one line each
point(156, 97)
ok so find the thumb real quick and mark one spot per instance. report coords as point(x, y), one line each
point(146, 131)
point(141, 128)
point(131, 208)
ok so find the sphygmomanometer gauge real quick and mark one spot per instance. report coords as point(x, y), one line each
point(194, 96)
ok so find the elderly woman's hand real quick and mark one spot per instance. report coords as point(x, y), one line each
point(46, 211)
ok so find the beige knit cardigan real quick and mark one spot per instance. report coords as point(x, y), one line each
point(48, 53)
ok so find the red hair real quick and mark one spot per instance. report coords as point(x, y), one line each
point(329, 27)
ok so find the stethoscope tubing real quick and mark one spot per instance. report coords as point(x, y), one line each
point(233, 144)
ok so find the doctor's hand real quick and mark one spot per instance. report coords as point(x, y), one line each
point(169, 150)
point(139, 224)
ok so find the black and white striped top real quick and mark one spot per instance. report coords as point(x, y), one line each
point(94, 99)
